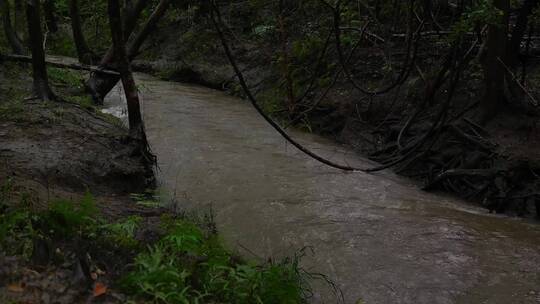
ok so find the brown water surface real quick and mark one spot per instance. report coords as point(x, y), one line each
point(378, 237)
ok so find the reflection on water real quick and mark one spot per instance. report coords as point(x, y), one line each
point(377, 236)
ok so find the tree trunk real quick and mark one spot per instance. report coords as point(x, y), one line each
point(148, 27)
point(126, 10)
point(20, 27)
point(39, 69)
point(83, 51)
point(14, 41)
point(101, 85)
point(120, 55)
point(493, 64)
point(98, 85)
point(519, 29)
point(49, 9)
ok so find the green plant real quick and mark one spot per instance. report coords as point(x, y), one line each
point(16, 231)
point(66, 219)
point(62, 45)
point(63, 77)
point(84, 101)
point(158, 278)
point(482, 13)
point(189, 265)
point(123, 233)
point(147, 199)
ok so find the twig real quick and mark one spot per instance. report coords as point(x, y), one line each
point(534, 102)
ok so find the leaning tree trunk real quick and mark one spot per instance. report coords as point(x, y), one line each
point(49, 9)
point(14, 41)
point(39, 69)
point(494, 62)
point(148, 27)
point(96, 82)
point(101, 85)
point(83, 51)
point(136, 126)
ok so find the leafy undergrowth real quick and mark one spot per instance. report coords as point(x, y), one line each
point(188, 265)
point(69, 254)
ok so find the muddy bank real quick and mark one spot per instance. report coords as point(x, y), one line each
point(65, 145)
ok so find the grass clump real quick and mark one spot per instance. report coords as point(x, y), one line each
point(64, 77)
point(70, 84)
point(66, 219)
point(122, 233)
point(11, 92)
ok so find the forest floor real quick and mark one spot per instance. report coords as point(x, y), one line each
point(61, 244)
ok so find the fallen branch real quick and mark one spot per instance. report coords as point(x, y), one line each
point(72, 66)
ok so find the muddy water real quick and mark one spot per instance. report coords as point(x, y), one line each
point(378, 237)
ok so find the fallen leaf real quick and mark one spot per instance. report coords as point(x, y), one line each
point(99, 289)
point(16, 287)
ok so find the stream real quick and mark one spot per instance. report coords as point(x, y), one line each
point(376, 236)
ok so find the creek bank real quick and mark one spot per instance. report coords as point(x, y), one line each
point(65, 144)
point(57, 151)
point(60, 244)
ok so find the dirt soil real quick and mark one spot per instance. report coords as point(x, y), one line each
point(64, 145)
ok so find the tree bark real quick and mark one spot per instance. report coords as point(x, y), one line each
point(519, 30)
point(14, 41)
point(148, 27)
point(120, 55)
point(83, 51)
point(39, 69)
point(130, 21)
point(494, 71)
point(101, 85)
point(98, 85)
point(49, 9)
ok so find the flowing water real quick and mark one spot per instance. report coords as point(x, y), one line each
point(377, 236)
